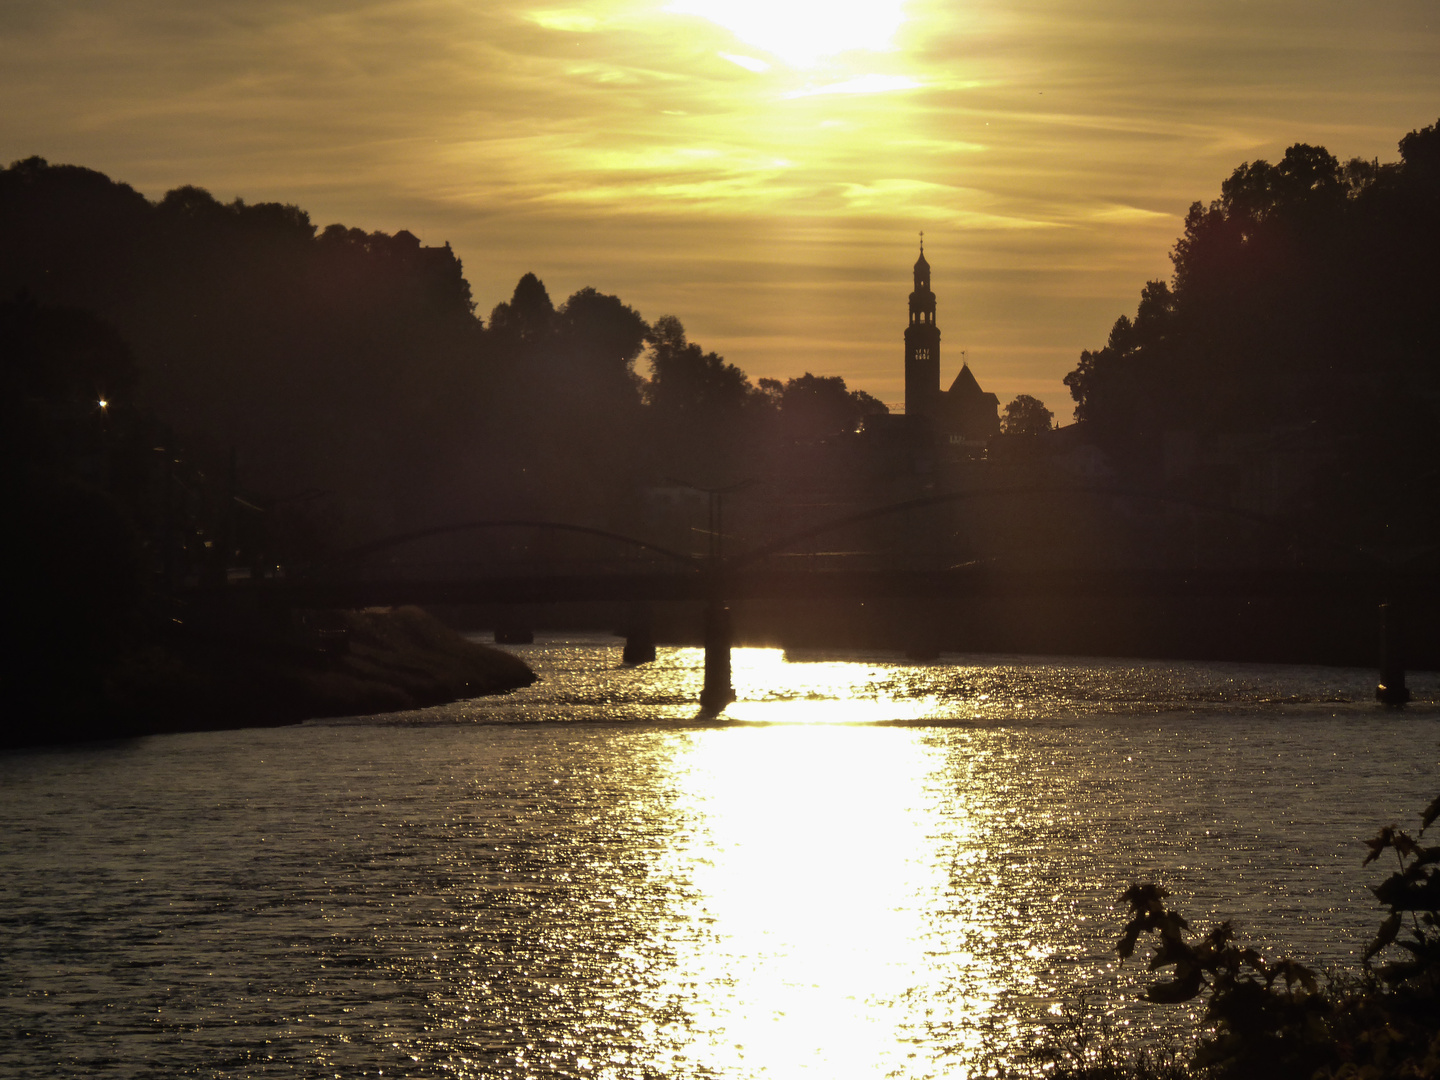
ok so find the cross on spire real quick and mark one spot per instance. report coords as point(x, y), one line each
point(922, 241)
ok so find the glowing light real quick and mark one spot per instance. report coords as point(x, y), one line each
point(804, 960)
point(749, 63)
point(801, 32)
point(863, 84)
point(103, 404)
point(571, 22)
point(835, 692)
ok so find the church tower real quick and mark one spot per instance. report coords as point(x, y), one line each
point(922, 346)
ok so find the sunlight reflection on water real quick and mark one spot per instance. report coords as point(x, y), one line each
point(819, 897)
point(867, 868)
point(771, 690)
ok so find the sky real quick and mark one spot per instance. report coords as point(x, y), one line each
point(761, 169)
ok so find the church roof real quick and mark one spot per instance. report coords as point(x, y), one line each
point(965, 384)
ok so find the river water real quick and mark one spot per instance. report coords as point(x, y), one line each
point(872, 869)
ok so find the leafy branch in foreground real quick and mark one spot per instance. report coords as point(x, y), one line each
point(1277, 1019)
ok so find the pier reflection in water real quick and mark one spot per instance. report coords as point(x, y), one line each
point(881, 869)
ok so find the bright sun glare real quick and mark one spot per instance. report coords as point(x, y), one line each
point(802, 32)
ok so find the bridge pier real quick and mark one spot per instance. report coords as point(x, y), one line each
point(1391, 689)
point(718, 690)
point(639, 636)
point(515, 628)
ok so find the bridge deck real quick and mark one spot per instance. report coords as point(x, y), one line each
point(818, 585)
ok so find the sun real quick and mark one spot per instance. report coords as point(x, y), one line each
point(803, 32)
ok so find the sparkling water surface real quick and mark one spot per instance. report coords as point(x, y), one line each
point(869, 869)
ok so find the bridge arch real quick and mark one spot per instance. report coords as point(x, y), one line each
point(787, 543)
point(400, 539)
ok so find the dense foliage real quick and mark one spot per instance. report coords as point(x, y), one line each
point(1278, 1018)
point(1026, 415)
point(72, 569)
point(1266, 1019)
point(350, 368)
point(1304, 306)
point(315, 355)
point(190, 388)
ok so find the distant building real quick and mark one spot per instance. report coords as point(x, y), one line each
point(965, 416)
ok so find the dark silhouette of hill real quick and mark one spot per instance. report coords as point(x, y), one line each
point(1303, 309)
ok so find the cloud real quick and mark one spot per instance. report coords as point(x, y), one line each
point(1048, 150)
point(575, 22)
point(749, 63)
point(860, 84)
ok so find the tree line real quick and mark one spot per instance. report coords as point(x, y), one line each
point(354, 366)
point(188, 385)
point(1303, 307)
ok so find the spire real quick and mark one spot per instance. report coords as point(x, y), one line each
point(922, 345)
point(922, 269)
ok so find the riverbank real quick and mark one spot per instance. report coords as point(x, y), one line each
point(216, 671)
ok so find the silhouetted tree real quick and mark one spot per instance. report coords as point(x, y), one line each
point(1305, 299)
point(1026, 415)
point(706, 420)
point(769, 392)
point(350, 367)
point(318, 358)
point(527, 319)
point(74, 570)
point(601, 338)
point(814, 407)
point(686, 380)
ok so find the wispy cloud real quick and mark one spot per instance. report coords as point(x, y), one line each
point(872, 83)
point(749, 63)
point(692, 160)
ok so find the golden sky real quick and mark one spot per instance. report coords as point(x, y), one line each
point(759, 168)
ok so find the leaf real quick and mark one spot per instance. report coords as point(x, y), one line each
point(1126, 946)
point(1170, 924)
point(1388, 929)
point(1292, 973)
point(1409, 892)
point(1147, 906)
point(1431, 813)
point(1171, 993)
point(1383, 839)
point(1145, 896)
point(1252, 959)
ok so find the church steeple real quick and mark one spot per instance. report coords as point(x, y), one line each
point(922, 345)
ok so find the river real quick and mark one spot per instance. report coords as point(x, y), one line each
point(872, 869)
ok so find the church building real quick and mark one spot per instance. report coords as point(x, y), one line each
point(964, 415)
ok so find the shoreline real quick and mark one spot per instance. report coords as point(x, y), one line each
point(222, 672)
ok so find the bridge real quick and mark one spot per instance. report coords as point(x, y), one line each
point(653, 573)
point(964, 582)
